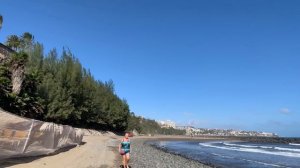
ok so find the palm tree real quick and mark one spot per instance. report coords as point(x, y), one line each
point(26, 41)
point(1, 21)
point(27, 36)
point(14, 42)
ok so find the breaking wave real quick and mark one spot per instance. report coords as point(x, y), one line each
point(288, 152)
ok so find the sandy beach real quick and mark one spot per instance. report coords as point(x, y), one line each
point(102, 152)
point(95, 152)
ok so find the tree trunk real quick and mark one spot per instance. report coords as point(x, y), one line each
point(17, 78)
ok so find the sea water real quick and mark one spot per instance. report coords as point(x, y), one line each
point(229, 154)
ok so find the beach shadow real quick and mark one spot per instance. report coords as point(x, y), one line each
point(82, 143)
point(28, 159)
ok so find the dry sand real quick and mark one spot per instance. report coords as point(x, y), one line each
point(96, 152)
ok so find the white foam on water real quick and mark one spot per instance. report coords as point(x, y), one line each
point(266, 164)
point(294, 144)
point(278, 153)
point(287, 149)
point(247, 146)
point(248, 160)
point(266, 147)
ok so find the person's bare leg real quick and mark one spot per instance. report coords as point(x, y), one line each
point(127, 159)
point(124, 161)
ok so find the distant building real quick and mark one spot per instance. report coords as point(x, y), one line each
point(167, 124)
point(182, 127)
point(267, 134)
point(192, 131)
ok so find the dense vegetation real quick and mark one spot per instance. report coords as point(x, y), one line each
point(148, 126)
point(56, 87)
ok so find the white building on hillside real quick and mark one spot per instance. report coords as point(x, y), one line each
point(167, 124)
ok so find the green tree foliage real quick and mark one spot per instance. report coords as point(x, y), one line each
point(27, 102)
point(14, 42)
point(5, 83)
point(24, 42)
point(59, 89)
point(134, 123)
point(72, 96)
point(148, 126)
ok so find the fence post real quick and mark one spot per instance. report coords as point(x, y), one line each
point(28, 136)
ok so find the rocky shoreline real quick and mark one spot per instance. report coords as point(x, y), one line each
point(144, 156)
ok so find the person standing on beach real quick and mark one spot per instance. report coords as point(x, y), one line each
point(124, 149)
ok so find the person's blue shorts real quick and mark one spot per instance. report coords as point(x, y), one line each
point(125, 151)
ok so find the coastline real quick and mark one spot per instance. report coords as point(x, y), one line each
point(157, 155)
point(144, 155)
point(149, 155)
point(102, 151)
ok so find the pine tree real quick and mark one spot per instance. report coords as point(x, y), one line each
point(59, 89)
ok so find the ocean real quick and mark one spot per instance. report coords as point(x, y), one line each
point(230, 154)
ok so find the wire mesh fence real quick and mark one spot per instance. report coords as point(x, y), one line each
point(27, 137)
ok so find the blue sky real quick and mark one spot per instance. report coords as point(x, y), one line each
point(212, 64)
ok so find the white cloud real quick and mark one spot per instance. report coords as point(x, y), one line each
point(285, 111)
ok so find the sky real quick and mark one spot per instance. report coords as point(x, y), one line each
point(205, 63)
